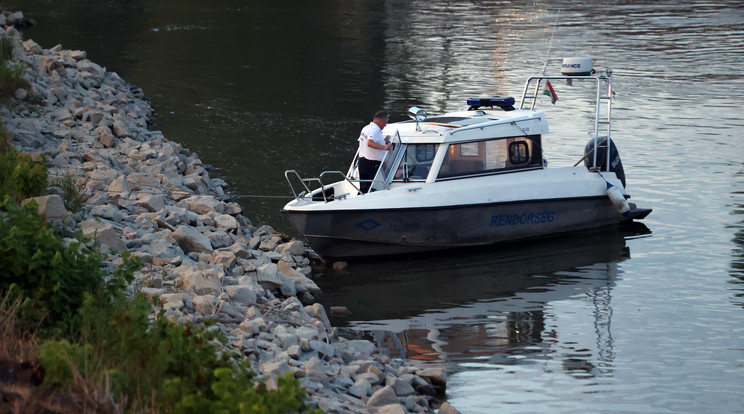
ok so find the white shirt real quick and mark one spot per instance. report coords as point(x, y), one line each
point(373, 132)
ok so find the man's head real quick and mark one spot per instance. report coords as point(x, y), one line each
point(381, 119)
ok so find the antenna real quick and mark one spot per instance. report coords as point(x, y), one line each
point(550, 45)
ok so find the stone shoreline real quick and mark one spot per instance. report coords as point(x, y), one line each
point(203, 258)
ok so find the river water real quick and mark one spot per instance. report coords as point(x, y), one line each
point(647, 319)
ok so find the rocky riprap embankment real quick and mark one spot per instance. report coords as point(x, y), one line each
point(203, 258)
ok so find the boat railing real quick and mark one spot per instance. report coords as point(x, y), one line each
point(346, 178)
point(603, 80)
point(305, 182)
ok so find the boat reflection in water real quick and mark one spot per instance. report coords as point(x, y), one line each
point(487, 305)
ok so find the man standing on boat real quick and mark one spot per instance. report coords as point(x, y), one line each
point(372, 147)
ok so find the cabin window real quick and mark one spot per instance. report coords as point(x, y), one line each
point(495, 155)
point(416, 162)
point(519, 153)
point(469, 150)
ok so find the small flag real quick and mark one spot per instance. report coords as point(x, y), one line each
point(550, 92)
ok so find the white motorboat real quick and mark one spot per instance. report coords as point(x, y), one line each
point(472, 177)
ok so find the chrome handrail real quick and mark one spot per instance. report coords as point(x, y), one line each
point(286, 176)
point(325, 173)
point(600, 78)
point(321, 184)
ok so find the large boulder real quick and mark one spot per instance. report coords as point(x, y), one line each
point(191, 240)
point(202, 204)
point(200, 279)
point(102, 233)
point(383, 396)
point(51, 207)
point(242, 294)
point(152, 202)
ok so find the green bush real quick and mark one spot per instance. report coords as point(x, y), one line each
point(21, 176)
point(160, 364)
point(52, 277)
point(103, 344)
point(236, 393)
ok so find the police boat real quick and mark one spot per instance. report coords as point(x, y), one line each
point(473, 177)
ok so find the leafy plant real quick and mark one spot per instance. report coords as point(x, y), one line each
point(100, 342)
point(11, 74)
point(6, 48)
point(35, 263)
point(21, 176)
point(5, 145)
point(73, 192)
point(160, 364)
point(235, 392)
point(16, 344)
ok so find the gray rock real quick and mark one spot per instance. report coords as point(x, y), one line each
point(151, 292)
point(372, 378)
point(316, 370)
point(32, 47)
point(78, 55)
point(240, 251)
point(275, 369)
point(446, 408)
point(202, 281)
point(224, 221)
point(162, 249)
point(219, 239)
point(268, 276)
point(191, 240)
point(361, 388)
point(206, 304)
point(323, 348)
point(392, 409)
point(382, 397)
point(317, 311)
point(51, 207)
point(107, 139)
point(173, 300)
point(201, 204)
point(223, 258)
point(119, 186)
point(145, 223)
point(21, 94)
point(90, 67)
point(120, 129)
point(102, 233)
point(366, 348)
point(242, 294)
point(294, 247)
point(152, 202)
point(401, 388)
point(108, 212)
point(436, 376)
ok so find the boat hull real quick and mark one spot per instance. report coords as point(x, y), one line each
point(354, 233)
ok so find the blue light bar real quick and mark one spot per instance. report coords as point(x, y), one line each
point(505, 103)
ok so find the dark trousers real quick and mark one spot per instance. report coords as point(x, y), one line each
point(367, 171)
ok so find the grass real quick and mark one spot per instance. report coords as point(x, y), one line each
point(11, 74)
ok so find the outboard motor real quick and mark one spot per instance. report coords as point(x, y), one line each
point(616, 165)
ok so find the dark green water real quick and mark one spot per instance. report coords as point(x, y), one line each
point(599, 323)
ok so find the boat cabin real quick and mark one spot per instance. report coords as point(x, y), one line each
point(464, 144)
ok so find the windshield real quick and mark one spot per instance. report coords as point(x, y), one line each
point(416, 162)
point(386, 169)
